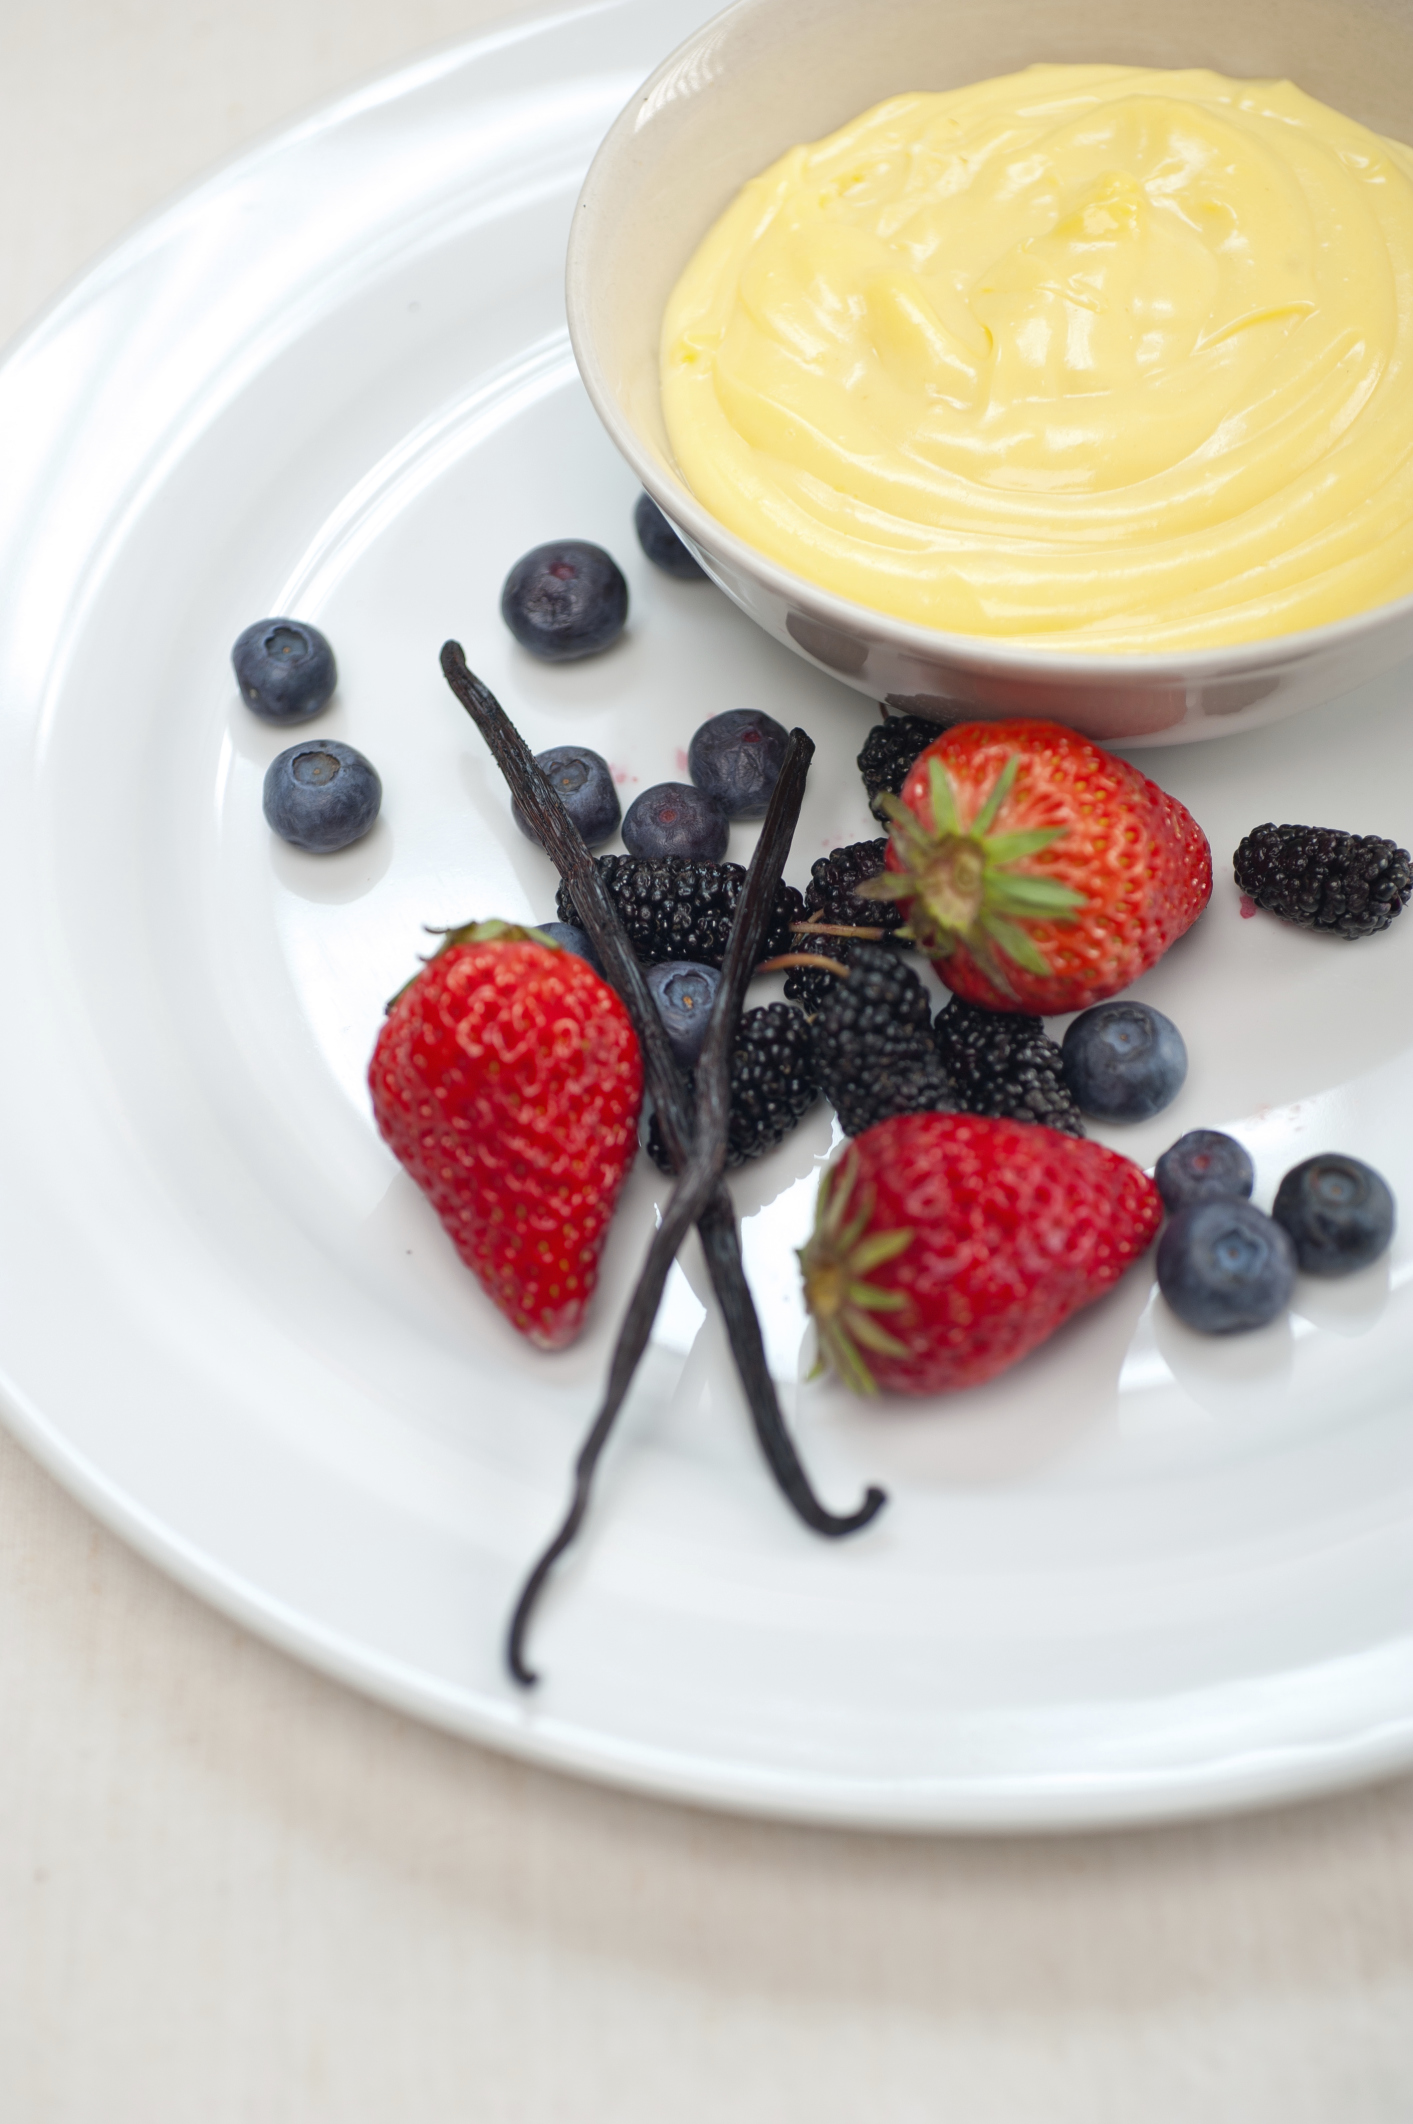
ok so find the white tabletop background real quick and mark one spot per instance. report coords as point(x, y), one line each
point(231, 1891)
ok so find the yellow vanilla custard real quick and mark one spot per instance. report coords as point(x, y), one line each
point(1101, 357)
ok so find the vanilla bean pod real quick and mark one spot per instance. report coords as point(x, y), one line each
point(721, 1239)
point(697, 1181)
point(717, 1225)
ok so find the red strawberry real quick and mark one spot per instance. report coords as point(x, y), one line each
point(947, 1246)
point(508, 1081)
point(1037, 871)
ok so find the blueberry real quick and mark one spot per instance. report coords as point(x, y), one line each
point(1204, 1166)
point(564, 600)
point(321, 795)
point(1124, 1061)
point(568, 938)
point(662, 545)
point(284, 669)
point(737, 758)
point(1224, 1266)
point(586, 788)
point(684, 995)
point(673, 819)
point(1338, 1211)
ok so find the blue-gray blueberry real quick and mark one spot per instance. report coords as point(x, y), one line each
point(674, 819)
point(1224, 1267)
point(564, 600)
point(1338, 1211)
point(321, 795)
point(1123, 1061)
point(586, 790)
point(684, 994)
point(737, 758)
point(1204, 1165)
point(285, 670)
point(662, 545)
point(569, 937)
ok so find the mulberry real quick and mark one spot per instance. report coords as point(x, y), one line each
point(1002, 1064)
point(873, 1045)
point(773, 1084)
point(1351, 884)
point(676, 908)
point(889, 751)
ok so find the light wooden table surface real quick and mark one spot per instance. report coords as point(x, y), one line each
point(231, 1893)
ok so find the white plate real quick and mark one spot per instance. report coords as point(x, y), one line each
point(1142, 1575)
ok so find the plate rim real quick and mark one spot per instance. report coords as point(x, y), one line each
point(1243, 1782)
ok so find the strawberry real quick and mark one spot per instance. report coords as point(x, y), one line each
point(507, 1079)
point(946, 1246)
point(1037, 871)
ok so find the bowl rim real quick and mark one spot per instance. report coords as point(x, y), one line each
point(1001, 655)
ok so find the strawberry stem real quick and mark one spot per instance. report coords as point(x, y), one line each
point(715, 1216)
point(814, 961)
point(815, 928)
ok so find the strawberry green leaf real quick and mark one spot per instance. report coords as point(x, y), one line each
point(871, 1253)
point(835, 1190)
point(1010, 847)
point(944, 807)
point(848, 1363)
point(888, 885)
point(1013, 893)
point(871, 1335)
point(1017, 946)
point(1005, 781)
point(873, 1300)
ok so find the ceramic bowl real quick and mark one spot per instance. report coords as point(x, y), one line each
point(769, 73)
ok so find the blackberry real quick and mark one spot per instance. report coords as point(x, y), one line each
point(675, 908)
point(889, 751)
point(813, 990)
point(832, 893)
point(1002, 1065)
point(873, 1043)
point(773, 1084)
point(1351, 884)
point(773, 1080)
